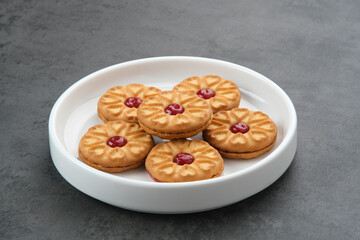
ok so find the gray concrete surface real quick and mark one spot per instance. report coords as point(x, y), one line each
point(309, 48)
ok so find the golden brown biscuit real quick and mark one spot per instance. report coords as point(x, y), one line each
point(182, 160)
point(173, 114)
point(122, 102)
point(241, 133)
point(115, 146)
point(221, 94)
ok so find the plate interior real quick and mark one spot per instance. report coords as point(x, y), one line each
point(82, 115)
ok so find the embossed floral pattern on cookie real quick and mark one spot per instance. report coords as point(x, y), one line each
point(122, 102)
point(254, 131)
point(221, 94)
point(173, 112)
point(163, 165)
point(115, 145)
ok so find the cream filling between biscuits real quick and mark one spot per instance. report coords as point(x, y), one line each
point(167, 133)
point(251, 151)
point(97, 164)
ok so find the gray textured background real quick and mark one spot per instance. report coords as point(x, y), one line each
point(309, 48)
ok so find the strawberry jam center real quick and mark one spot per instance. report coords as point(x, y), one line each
point(206, 93)
point(183, 158)
point(116, 141)
point(239, 128)
point(174, 109)
point(133, 102)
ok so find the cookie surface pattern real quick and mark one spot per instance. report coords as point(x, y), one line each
point(207, 162)
point(226, 95)
point(111, 105)
point(95, 151)
point(261, 132)
point(196, 114)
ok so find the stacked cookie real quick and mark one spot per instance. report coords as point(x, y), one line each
point(208, 104)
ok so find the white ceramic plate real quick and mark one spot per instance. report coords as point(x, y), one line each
point(75, 112)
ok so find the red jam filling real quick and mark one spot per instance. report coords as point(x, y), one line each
point(133, 102)
point(206, 93)
point(239, 128)
point(183, 158)
point(174, 109)
point(116, 141)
